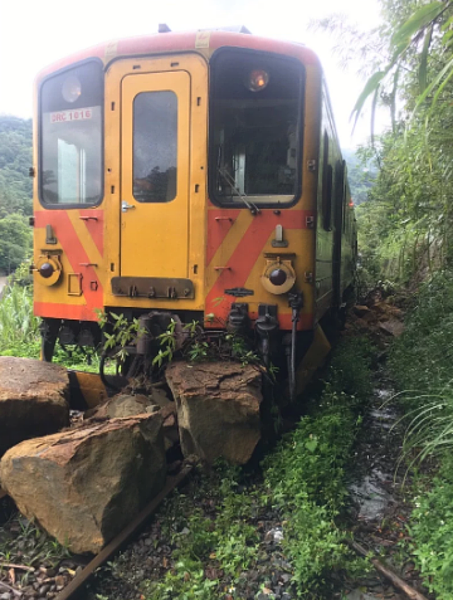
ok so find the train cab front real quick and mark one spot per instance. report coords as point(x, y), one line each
point(262, 202)
point(176, 182)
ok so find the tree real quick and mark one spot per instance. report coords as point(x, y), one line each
point(15, 161)
point(15, 241)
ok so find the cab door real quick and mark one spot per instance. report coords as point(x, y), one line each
point(155, 137)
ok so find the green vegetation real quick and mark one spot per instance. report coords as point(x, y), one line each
point(432, 531)
point(406, 221)
point(15, 191)
point(19, 335)
point(362, 172)
point(420, 363)
point(15, 161)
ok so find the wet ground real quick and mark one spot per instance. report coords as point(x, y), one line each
point(378, 512)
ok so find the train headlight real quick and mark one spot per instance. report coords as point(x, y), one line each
point(278, 277)
point(257, 80)
point(71, 89)
point(48, 270)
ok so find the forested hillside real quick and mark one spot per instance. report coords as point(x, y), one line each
point(15, 191)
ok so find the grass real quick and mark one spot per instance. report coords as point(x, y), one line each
point(420, 363)
point(20, 336)
point(431, 528)
point(19, 328)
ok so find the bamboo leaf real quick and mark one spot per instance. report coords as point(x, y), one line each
point(416, 22)
point(373, 113)
point(422, 71)
point(445, 71)
point(371, 87)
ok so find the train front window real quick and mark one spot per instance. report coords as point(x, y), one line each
point(256, 128)
point(71, 137)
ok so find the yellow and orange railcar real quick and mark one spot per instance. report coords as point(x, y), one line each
point(190, 174)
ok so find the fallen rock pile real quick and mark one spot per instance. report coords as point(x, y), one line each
point(377, 318)
point(84, 484)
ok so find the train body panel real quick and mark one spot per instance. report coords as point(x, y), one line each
point(195, 174)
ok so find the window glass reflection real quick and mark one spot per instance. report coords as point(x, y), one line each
point(72, 156)
point(155, 146)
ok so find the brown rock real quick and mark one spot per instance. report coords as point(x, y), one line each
point(159, 396)
point(33, 399)
point(218, 407)
point(170, 425)
point(84, 486)
point(361, 310)
point(392, 327)
point(124, 405)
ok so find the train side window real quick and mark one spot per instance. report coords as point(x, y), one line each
point(155, 146)
point(327, 176)
point(340, 212)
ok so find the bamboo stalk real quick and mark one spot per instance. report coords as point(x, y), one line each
point(9, 588)
point(396, 581)
point(20, 567)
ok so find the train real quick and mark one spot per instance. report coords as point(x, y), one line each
point(190, 176)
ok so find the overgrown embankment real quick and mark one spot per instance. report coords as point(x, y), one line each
point(420, 363)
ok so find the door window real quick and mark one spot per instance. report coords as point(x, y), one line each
point(155, 146)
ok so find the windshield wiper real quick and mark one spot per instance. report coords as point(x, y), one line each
point(230, 181)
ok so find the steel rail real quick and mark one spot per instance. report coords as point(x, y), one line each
point(122, 538)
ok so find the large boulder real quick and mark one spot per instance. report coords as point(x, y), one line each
point(218, 408)
point(33, 399)
point(85, 485)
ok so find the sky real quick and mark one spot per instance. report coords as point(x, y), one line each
point(35, 33)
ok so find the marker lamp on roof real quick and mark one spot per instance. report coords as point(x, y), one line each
point(71, 88)
point(257, 80)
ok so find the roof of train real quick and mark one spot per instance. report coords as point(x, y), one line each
point(202, 41)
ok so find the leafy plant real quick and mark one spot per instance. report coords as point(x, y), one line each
point(431, 528)
point(18, 325)
point(122, 332)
